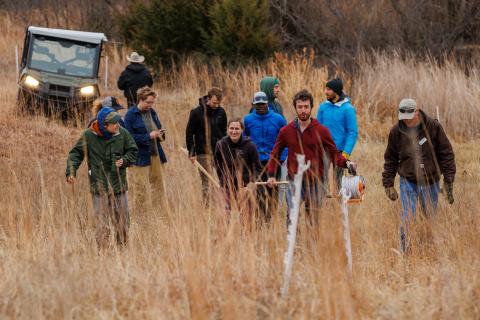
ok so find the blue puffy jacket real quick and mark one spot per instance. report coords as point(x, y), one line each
point(340, 118)
point(263, 131)
point(134, 124)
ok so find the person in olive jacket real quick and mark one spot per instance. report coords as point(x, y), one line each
point(419, 151)
point(109, 150)
point(207, 124)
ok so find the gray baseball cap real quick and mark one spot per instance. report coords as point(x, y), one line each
point(406, 109)
point(260, 97)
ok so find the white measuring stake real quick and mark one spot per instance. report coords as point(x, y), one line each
point(292, 228)
point(106, 73)
point(346, 227)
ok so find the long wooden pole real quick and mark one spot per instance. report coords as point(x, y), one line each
point(203, 170)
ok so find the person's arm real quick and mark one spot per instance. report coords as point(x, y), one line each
point(329, 146)
point(246, 124)
point(445, 156)
point(391, 157)
point(76, 156)
point(189, 135)
point(224, 124)
point(140, 138)
point(122, 81)
point(130, 151)
point(274, 161)
point(256, 166)
point(352, 130)
point(320, 114)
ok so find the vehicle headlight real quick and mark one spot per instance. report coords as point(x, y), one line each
point(31, 82)
point(88, 90)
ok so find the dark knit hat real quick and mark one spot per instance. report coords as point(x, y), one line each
point(336, 85)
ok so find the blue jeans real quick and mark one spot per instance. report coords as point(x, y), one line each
point(411, 194)
point(313, 193)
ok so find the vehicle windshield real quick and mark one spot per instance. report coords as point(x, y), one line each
point(65, 57)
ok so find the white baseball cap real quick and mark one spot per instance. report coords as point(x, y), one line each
point(260, 97)
point(406, 109)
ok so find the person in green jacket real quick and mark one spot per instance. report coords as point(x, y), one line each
point(271, 86)
point(109, 150)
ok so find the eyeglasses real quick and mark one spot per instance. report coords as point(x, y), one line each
point(406, 110)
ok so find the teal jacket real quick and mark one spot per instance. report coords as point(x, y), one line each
point(340, 118)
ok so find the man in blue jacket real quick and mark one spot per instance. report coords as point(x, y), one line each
point(339, 116)
point(263, 126)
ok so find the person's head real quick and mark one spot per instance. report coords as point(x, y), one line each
point(235, 129)
point(214, 97)
point(112, 102)
point(134, 57)
point(408, 112)
point(146, 98)
point(112, 122)
point(334, 89)
point(271, 87)
point(96, 106)
point(303, 103)
point(260, 102)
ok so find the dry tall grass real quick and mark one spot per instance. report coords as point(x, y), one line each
point(184, 263)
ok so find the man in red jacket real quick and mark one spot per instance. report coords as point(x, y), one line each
point(305, 135)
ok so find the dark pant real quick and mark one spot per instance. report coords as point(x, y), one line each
point(267, 198)
point(111, 209)
point(312, 193)
point(338, 173)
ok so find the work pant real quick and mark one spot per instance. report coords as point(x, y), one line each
point(410, 194)
point(205, 160)
point(312, 193)
point(338, 173)
point(147, 187)
point(267, 197)
point(111, 210)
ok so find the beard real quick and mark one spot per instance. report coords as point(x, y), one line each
point(303, 116)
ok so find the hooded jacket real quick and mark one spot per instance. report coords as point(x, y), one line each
point(100, 153)
point(134, 77)
point(340, 118)
point(313, 143)
point(263, 130)
point(419, 154)
point(205, 127)
point(236, 160)
point(135, 125)
point(267, 85)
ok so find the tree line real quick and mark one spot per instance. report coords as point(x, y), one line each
point(240, 30)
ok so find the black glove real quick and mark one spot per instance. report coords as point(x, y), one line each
point(449, 191)
point(391, 193)
point(352, 168)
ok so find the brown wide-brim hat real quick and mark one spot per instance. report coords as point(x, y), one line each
point(135, 58)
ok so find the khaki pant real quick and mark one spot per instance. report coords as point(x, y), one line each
point(147, 189)
point(206, 161)
point(111, 210)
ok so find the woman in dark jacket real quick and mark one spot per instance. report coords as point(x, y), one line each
point(144, 125)
point(237, 164)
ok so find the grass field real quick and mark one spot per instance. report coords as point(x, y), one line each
point(186, 263)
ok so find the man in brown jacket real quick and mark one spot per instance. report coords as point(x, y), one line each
point(419, 150)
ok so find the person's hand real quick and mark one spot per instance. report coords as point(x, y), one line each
point(154, 134)
point(119, 163)
point(391, 193)
point(449, 192)
point(71, 179)
point(193, 159)
point(271, 182)
point(352, 167)
point(251, 186)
